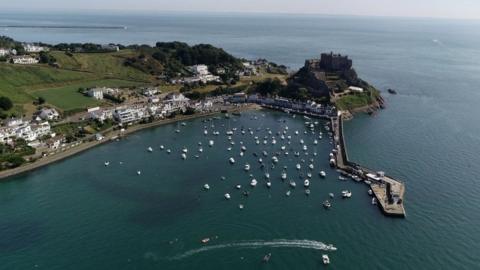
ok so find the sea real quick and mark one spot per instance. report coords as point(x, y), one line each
point(80, 214)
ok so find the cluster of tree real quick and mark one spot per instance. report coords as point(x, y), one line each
point(46, 58)
point(12, 156)
point(172, 58)
point(84, 47)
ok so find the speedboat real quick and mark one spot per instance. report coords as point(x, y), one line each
point(298, 166)
point(269, 184)
point(169, 151)
point(227, 196)
point(184, 156)
point(284, 175)
point(331, 195)
point(288, 193)
point(185, 150)
point(323, 174)
point(267, 175)
point(370, 192)
point(210, 143)
point(206, 187)
point(231, 160)
point(253, 183)
point(309, 175)
point(162, 147)
point(310, 166)
point(374, 201)
point(150, 149)
point(200, 149)
point(238, 186)
point(139, 172)
point(293, 184)
point(247, 167)
point(107, 163)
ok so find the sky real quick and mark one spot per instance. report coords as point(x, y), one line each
point(459, 9)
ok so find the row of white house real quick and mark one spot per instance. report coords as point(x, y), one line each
point(24, 60)
point(32, 48)
point(128, 114)
point(29, 131)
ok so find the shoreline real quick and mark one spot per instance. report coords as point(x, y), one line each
point(82, 147)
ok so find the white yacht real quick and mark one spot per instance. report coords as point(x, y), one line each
point(184, 156)
point(293, 184)
point(310, 166)
point(323, 174)
point(210, 143)
point(284, 175)
point(206, 187)
point(150, 149)
point(231, 160)
point(288, 193)
point(306, 183)
point(162, 147)
point(269, 184)
point(107, 163)
point(139, 172)
point(227, 196)
point(298, 166)
point(185, 150)
point(238, 186)
point(247, 167)
point(346, 194)
point(253, 183)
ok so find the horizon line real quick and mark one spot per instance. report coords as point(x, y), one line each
point(153, 12)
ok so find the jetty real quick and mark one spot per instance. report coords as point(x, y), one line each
point(388, 191)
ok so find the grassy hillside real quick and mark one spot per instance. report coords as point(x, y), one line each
point(109, 65)
point(59, 86)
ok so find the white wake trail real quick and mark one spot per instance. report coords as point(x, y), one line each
point(279, 243)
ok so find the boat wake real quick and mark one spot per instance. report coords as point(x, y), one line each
point(279, 243)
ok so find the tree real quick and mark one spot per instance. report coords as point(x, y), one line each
point(5, 103)
point(41, 100)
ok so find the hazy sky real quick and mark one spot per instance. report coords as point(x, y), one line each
point(464, 9)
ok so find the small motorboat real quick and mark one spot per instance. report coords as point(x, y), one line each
point(267, 257)
point(327, 204)
point(307, 191)
point(240, 206)
point(331, 195)
point(206, 187)
point(288, 193)
point(253, 183)
point(374, 201)
point(247, 167)
point(205, 240)
point(227, 196)
point(169, 151)
point(325, 259)
point(298, 166)
point(293, 184)
point(238, 186)
point(269, 184)
point(139, 172)
point(184, 156)
point(150, 149)
point(323, 174)
point(231, 160)
point(107, 163)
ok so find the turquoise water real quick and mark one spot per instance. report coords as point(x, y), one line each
point(77, 214)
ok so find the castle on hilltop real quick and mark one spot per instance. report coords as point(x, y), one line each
point(329, 62)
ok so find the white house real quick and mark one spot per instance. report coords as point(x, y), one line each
point(129, 115)
point(41, 129)
point(5, 52)
point(24, 60)
point(150, 91)
point(100, 114)
point(32, 48)
point(49, 114)
point(96, 93)
point(199, 70)
point(355, 89)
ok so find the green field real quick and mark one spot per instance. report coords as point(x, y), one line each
point(22, 84)
point(68, 97)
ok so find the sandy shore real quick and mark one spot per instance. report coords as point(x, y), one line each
point(108, 138)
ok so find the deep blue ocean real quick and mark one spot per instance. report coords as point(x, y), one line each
point(77, 214)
